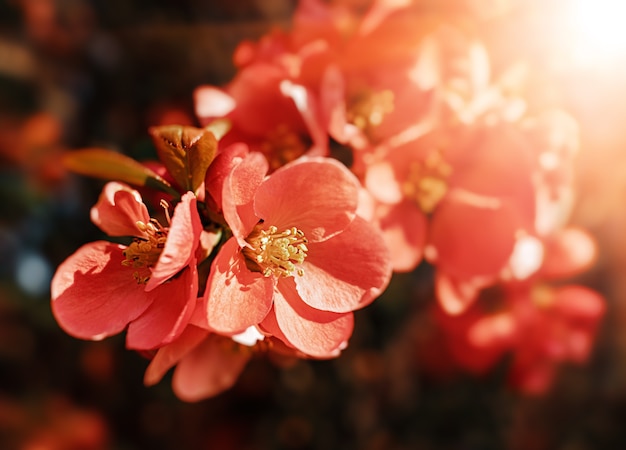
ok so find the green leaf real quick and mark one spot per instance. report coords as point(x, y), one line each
point(186, 152)
point(110, 165)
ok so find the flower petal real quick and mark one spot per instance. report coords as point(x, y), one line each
point(347, 271)
point(497, 162)
point(236, 298)
point(473, 239)
point(220, 168)
point(256, 88)
point(378, 12)
point(118, 209)
point(532, 374)
point(333, 103)
point(404, 228)
point(169, 355)
point(579, 304)
point(182, 240)
point(317, 333)
point(211, 102)
point(317, 195)
point(459, 336)
point(209, 369)
point(168, 314)
point(381, 180)
point(569, 252)
point(238, 194)
point(497, 331)
point(456, 295)
point(94, 295)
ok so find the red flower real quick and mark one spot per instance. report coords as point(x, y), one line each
point(35, 146)
point(457, 180)
point(207, 364)
point(464, 203)
point(300, 260)
point(361, 68)
point(555, 325)
point(527, 168)
point(349, 74)
point(149, 286)
point(268, 112)
point(542, 326)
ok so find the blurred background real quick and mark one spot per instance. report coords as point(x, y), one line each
point(77, 73)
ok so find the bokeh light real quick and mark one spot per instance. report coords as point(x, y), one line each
point(595, 32)
point(33, 273)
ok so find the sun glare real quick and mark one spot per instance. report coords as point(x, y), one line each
point(596, 34)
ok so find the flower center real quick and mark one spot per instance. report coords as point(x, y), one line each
point(426, 181)
point(143, 253)
point(282, 146)
point(277, 253)
point(367, 109)
point(542, 296)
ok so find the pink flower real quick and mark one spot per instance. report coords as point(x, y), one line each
point(149, 286)
point(300, 259)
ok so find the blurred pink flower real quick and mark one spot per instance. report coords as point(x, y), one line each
point(555, 325)
point(460, 205)
point(149, 286)
point(52, 422)
point(360, 66)
point(268, 112)
point(454, 181)
point(35, 145)
point(525, 171)
point(316, 81)
point(543, 326)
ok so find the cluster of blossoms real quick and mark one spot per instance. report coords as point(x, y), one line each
point(359, 143)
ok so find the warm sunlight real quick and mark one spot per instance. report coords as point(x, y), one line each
point(595, 31)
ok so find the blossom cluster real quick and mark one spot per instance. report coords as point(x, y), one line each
point(351, 146)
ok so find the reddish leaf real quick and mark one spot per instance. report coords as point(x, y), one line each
point(110, 165)
point(186, 152)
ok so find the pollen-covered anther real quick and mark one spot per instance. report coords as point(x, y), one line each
point(143, 252)
point(277, 253)
point(282, 145)
point(542, 296)
point(426, 182)
point(367, 109)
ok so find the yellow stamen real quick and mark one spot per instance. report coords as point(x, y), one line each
point(277, 253)
point(282, 146)
point(542, 296)
point(143, 253)
point(426, 183)
point(166, 208)
point(367, 109)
